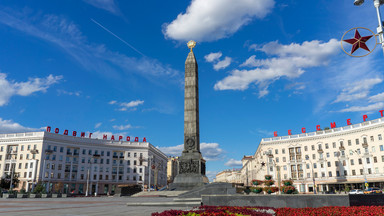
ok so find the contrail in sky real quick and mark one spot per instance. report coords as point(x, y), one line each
point(125, 42)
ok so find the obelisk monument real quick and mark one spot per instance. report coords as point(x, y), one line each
point(191, 163)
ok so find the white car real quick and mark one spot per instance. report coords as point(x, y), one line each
point(356, 191)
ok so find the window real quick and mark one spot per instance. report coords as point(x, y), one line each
point(329, 164)
point(135, 154)
point(372, 139)
point(61, 149)
point(379, 137)
point(352, 162)
point(308, 175)
point(322, 166)
point(345, 173)
point(341, 143)
point(377, 170)
point(374, 159)
point(368, 161)
point(334, 145)
point(26, 166)
point(276, 152)
point(335, 154)
point(307, 166)
point(357, 141)
point(19, 167)
point(330, 174)
point(337, 173)
point(283, 151)
point(381, 148)
point(360, 161)
point(350, 152)
point(285, 167)
point(84, 151)
point(277, 160)
point(108, 153)
point(27, 156)
point(128, 170)
point(313, 156)
point(336, 163)
point(102, 153)
point(22, 148)
point(314, 165)
point(322, 174)
point(128, 162)
point(134, 162)
point(326, 146)
point(28, 148)
point(382, 158)
point(313, 147)
point(89, 152)
point(328, 155)
point(358, 151)
point(107, 161)
point(361, 172)
point(134, 170)
point(349, 142)
point(320, 147)
point(364, 139)
point(353, 172)
point(305, 148)
point(369, 171)
point(315, 174)
point(21, 156)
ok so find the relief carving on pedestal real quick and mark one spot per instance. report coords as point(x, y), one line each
point(190, 143)
point(188, 166)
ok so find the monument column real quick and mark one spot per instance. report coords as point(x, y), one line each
point(191, 166)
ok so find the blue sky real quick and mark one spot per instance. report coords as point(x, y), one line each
point(117, 67)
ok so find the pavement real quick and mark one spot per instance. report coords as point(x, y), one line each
point(83, 206)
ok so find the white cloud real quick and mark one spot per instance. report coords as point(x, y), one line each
point(108, 5)
point(357, 90)
point(10, 88)
point(9, 126)
point(234, 163)
point(93, 57)
point(211, 175)
point(210, 151)
point(209, 20)
point(211, 57)
point(97, 125)
point(372, 107)
point(63, 92)
point(127, 106)
point(100, 134)
point(377, 98)
point(122, 127)
point(290, 62)
point(222, 64)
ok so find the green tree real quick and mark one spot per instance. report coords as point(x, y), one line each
point(39, 188)
point(5, 182)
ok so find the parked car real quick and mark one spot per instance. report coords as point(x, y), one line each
point(373, 191)
point(356, 191)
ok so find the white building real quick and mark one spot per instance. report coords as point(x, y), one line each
point(69, 163)
point(327, 160)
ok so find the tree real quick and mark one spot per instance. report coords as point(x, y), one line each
point(5, 182)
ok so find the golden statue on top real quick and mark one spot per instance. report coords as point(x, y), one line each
point(191, 44)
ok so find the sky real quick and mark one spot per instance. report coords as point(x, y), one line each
point(117, 67)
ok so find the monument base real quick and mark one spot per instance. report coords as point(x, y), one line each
point(188, 181)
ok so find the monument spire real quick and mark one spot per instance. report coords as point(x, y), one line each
point(191, 163)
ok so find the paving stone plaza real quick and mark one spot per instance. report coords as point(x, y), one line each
point(82, 206)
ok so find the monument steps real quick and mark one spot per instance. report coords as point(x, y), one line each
point(177, 202)
point(158, 194)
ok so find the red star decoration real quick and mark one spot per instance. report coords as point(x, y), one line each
point(358, 42)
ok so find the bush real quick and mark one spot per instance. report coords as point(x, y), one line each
point(288, 189)
point(22, 191)
point(287, 182)
point(39, 189)
point(270, 190)
point(257, 189)
point(269, 182)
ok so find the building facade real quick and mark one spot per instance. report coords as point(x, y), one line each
point(326, 160)
point(229, 176)
point(172, 168)
point(79, 165)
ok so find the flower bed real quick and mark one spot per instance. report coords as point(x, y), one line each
point(288, 189)
point(220, 211)
point(267, 211)
point(269, 182)
point(287, 182)
point(256, 189)
point(257, 182)
point(332, 210)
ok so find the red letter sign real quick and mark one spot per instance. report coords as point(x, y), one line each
point(113, 137)
point(104, 136)
point(303, 130)
point(275, 133)
point(82, 134)
point(289, 132)
point(48, 128)
point(365, 117)
point(381, 112)
point(90, 134)
point(74, 133)
point(128, 138)
point(349, 122)
point(57, 130)
point(333, 124)
point(318, 127)
point(136, 139)
point(120, 138)
point(65, 132)
point(144, 140)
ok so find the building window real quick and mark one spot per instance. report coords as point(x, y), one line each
point(276, 152)
point(337, 173)
point(328, 155)
point(377, 170)
point(322, 174)
point(26, 166)
point(305, 148)
point(314, 157)
point(314, 165)
point(361, 172)
point(368, 161)
point(135, 154)
point(381, 148)
point(349, 142)
point(128, 170)
point(372, 139)
point(89, 152)
point(364, 139)
point(345, 173)
point(102, 153)
point(285, 167)
point(283, 151)
point(277, 161)
point(326, 146)
point(336, 163)
point(360, 161)
point(307, 166)
point(108, 153)
point(379, 137)
point(330, 174)
point(313, 147)
point(357, 141)
point(22, 148)
point(315, 174)
point(134, 162)
point(134, 170)
point(329, 164)
point(334, 145)
point(308, 175)
point(382, 158)
point(369, 171)
point(84, 151)
point(374, 159)
point(335, 154)
point(373, 149)
point(28, 148)
point(353, 172)
point(61, 149)
point(352, 162)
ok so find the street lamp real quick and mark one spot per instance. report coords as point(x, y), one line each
point(379, 29)
point(277, 170)
point(313, 177)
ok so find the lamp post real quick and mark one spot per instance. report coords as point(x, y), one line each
point(379, 29)
point(364, 173)
point(277, 168)
point(313, 177)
